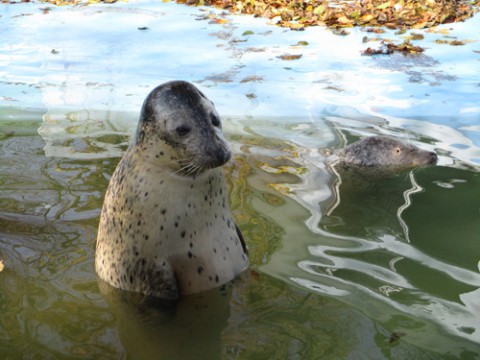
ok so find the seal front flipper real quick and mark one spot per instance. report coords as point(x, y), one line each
point(159, 281)
point(242, 240)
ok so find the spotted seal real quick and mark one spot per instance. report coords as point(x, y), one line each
point(165, 227)
point(384, 151)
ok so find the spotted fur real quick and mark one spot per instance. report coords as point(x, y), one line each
point(165, 227)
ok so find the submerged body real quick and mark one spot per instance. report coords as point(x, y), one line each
point(166, 228)
point(384, 151)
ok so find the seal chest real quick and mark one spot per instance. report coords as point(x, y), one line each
point(165, 227)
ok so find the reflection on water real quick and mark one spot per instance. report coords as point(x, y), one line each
point(385, 267)
point(392, 245)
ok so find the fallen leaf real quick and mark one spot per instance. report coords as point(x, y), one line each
point(1, 265)
point(384, 6)
point(301, 43)
point(252, 78)
point(383, 51)
point(388, 47)
point(416, 36)
point(343, 20)
point(289, 57)
point(335, 88)
point(367, 17)
point(340, 31)
point(218, 21)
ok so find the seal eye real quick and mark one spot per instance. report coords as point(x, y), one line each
point(183, 130)
point(398, 150)
point(215, 121)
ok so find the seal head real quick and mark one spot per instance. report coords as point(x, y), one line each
point(165, 227)
point(383, 151)
point(182, 117)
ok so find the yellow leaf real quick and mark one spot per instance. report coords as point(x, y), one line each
point(319, 10)
point(419, 25)
point(384, 6)
point(367, 17)
point(1, 265)
point(344, 20)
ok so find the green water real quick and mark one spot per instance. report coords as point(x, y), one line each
point(354, 278)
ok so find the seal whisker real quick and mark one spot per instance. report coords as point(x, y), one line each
point(189, 169)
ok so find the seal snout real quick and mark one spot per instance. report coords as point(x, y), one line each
point(426, 158)
point(433, 158)
point(224, 155)
point(217, 154)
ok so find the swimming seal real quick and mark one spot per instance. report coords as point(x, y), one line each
point(165, 227)
point(384, 151)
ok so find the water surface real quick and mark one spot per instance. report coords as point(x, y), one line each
point(376, 269)
point(343, 265)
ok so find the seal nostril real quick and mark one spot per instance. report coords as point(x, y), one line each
point(183, 130)
point(215, 121)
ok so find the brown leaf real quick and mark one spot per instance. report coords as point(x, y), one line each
point(289, 57)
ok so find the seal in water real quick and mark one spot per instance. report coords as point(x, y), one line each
point(386, 151)
point(165, 227)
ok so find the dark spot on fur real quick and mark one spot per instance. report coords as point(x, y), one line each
point(200, 270)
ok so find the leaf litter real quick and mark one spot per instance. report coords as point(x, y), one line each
point(298, 14)
point(339, 15)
